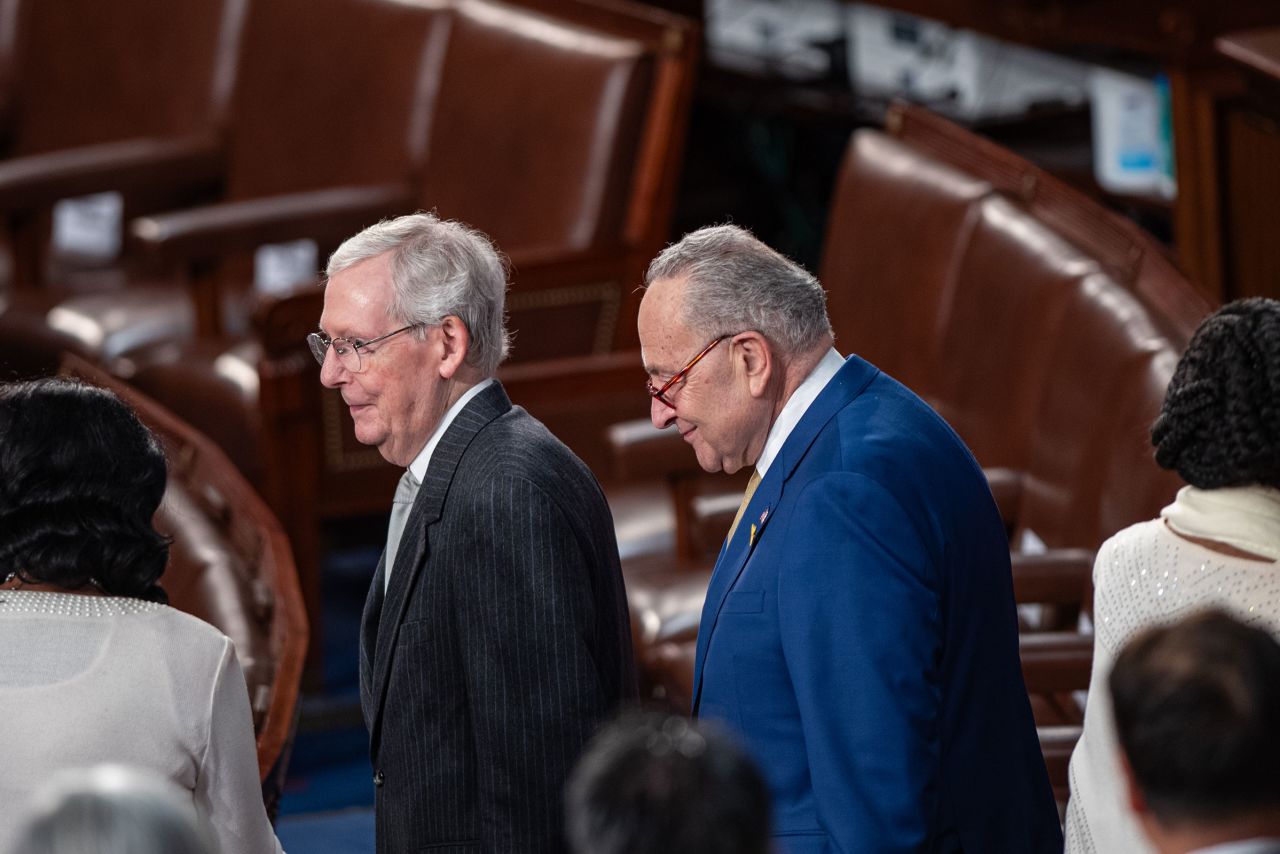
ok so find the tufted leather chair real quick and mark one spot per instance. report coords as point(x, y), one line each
point(230, 565)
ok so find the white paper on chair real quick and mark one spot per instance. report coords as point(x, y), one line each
point(277, 267)
point(89, 226)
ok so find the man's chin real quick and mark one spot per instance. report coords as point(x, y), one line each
point(368, 434)
point(707, 461)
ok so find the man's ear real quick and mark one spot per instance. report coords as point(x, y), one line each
point(455, 343)
point(754, 357)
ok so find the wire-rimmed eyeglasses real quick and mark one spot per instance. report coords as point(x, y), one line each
point(660, 394)
point(347, 349)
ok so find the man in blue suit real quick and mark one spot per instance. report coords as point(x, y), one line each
point(859, 630)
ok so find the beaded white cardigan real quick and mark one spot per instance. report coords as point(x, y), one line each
point(88, 679)
point(1146, 575)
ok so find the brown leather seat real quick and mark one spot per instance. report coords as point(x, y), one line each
point(8, 69)
point(127, 96)
point(1085, 416)
point(889, 290)
point(300, 122)
point(535, 175)
point(1010, 289)
point(230, 565)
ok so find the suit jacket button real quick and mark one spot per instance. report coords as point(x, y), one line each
point(378, 779)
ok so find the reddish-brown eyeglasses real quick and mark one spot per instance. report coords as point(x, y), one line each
point(661, 393)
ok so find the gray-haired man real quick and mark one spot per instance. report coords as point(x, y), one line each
point(495, 636)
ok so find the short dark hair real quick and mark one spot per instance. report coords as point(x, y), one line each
point(1220, 424)
point(651, 783)
point(80, 479)
point(1196, 706)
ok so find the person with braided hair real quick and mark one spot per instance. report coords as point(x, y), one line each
point(1217, 545)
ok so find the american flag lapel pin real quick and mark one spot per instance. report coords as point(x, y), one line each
point(756, 527)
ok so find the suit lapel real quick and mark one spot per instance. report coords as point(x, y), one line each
point(369, 622)
point(382, 619)
point(847, 384)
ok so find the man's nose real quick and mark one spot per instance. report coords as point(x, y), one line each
point(661, 414)
point(331, 371)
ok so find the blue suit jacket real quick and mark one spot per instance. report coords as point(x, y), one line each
point(859, 634)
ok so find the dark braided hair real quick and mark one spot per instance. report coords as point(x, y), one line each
point(1220, 424)
point(80, 479)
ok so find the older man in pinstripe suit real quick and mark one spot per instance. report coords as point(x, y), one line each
point(495, 635)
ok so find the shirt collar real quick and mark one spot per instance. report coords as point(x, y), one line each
point(796, 406)
point(420, 462)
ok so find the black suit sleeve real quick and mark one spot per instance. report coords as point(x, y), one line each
point(525, 612)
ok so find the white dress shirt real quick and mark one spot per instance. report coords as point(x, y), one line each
point(423, 460)
point(796, 406)
point(420, 462)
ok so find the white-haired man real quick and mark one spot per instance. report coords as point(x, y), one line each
point(495, 636)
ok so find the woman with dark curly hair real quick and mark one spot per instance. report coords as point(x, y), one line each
point(1217, 544)
point(94, 667)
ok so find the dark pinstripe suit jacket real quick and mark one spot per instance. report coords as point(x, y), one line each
point(501, 643)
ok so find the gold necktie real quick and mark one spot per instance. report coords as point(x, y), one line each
point(746, 499)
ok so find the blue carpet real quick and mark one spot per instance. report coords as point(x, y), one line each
point(327, 803)
point(329, 771)
point(345, 579)
point(346, 832)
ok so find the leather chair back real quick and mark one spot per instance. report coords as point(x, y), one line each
point(1131, 482)
point(536, 128)
point(889, 291)
point(91, 72)
point(333, 92)
point(1089, 413)
point(8, 66)
point(1012, 282)
point(1061, 333)
point(128, 96)
point(557, 132)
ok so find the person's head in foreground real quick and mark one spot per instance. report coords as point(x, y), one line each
point(1220, 424)
point(80, 480)
point(729, 328)
point(661, 784)
point(1197, 711)
point(112, 809)
point(413, 317)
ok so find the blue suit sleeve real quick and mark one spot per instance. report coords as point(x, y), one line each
point(859, 620)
